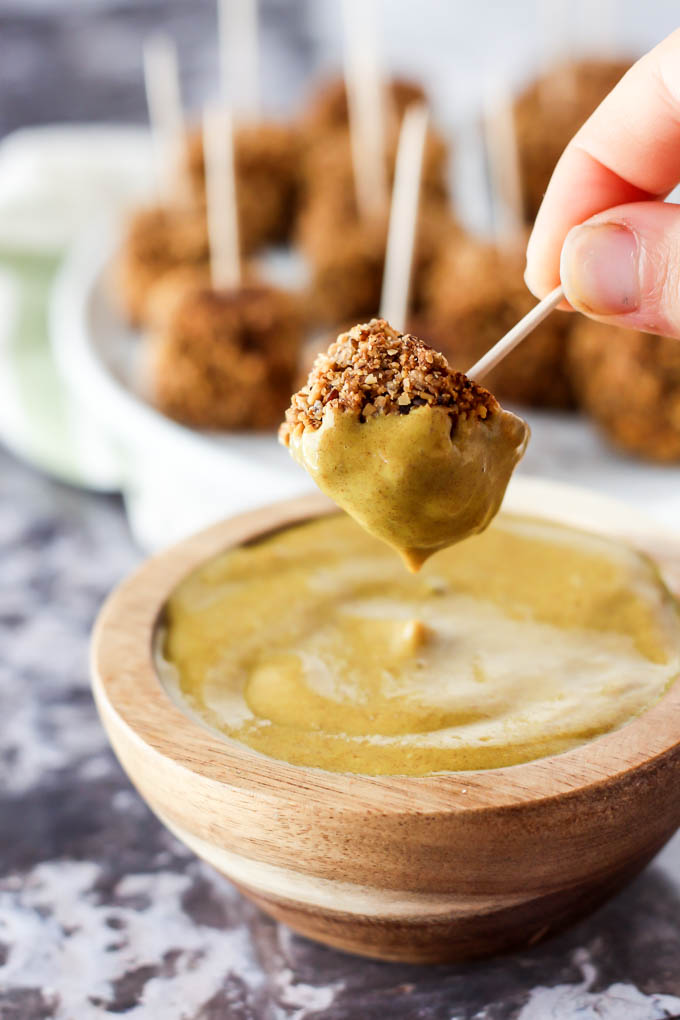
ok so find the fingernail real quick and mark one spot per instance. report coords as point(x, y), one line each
point(599, 269)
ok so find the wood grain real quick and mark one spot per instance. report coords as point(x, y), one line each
point(428, 868)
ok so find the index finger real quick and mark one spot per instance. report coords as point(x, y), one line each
point(627, 151)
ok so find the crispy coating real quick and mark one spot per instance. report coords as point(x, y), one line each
point(227, 359)
point(474, 294)
point(550, 112)
point(374, 369)
point(157, 239)
point(267, 159)
point(169, 290)
point(629, 383)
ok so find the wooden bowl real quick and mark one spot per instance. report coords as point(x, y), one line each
point(435, 868)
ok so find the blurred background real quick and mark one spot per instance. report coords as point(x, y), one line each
point(99, 261)
point(81, 60)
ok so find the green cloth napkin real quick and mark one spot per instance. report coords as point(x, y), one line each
point(39, 420)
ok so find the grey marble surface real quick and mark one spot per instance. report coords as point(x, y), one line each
point(103, 913)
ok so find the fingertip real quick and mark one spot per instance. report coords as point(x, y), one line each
point(599, 268)
point(538, 276)
point(531, 277)
point(529, 280)
point(568, 260)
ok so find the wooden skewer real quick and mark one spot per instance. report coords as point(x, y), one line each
point(518, 333)
point(237, 24)
point(220, 186)
point(401, 235)
point(161, 82)
point(365, 100)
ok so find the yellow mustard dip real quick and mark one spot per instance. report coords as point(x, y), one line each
point(314, 646)
point(413, 480)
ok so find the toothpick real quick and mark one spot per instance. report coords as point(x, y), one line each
point(366, 104)
point(220, 186)
point(504, 168)
point(401, 235)
point(518, 333)
point(161, 81)
point(237, 23)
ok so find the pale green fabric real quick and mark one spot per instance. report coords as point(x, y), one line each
point(39, 421)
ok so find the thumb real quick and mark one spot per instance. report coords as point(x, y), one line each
point(623, 266)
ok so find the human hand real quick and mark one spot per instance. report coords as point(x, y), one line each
point(603, 228)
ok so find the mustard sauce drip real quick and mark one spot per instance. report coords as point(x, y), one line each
point(413, 480)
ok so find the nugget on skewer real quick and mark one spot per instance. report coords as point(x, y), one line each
point(267, 166)
point(346, 250)
point(157, 239)
point(475, 293)
point(418, 454)
point(172, 233)
point(629, 383)
point(329, 195)
point(327, 109)
point(223, 354)
point(347, 272)
point(226, 359)
point(549, 113)
point(265, 152)
point(168, 291)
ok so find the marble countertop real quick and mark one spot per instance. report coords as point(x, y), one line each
point(103, 913)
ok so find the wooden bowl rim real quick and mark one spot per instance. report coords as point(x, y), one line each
point(125, 681)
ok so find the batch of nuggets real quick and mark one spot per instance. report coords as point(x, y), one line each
point(229, 360)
